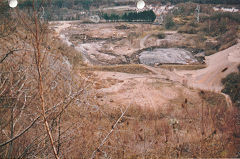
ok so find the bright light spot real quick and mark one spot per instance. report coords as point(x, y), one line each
point(140, 4)
point(13, 3)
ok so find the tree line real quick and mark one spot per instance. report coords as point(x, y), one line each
point(196, 1)
point(147, 16)
point(86, 4)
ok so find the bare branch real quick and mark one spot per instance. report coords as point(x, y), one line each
point(35, 120)
point(7, 54)
point(110, 132)
point(25, 130)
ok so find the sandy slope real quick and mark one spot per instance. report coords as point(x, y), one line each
point(210, 77)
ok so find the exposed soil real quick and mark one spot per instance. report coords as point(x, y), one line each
point(164, 87)
point(144, 90)
point(157, 89)
point(116, 43)
point(210, 77)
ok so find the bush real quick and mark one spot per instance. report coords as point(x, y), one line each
point(4, 10)
point(187, 29)
point(220, 23)
point(185, 9)
point(169, 23)
point(232, 86)
point(227, 45)
point(122, 27)
point(161, 35)
point(193, 24)
point(210, 52)
point(226, 15)
point(211, 45)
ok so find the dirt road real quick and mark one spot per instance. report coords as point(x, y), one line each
point(219, 65)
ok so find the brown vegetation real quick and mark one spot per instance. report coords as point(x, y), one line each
point(36, 87)
point(213, 26)
point(186, 130)
point(49, 108)
point(183, 67)
point(131, 68)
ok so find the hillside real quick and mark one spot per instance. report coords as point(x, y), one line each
point(119, 89)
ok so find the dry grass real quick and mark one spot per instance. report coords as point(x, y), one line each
point(72, 55)
point(183, 67)
point(132, 68)
point(177, 131)
point(213, 99)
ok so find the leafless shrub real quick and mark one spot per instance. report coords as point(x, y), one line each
point(37, 87)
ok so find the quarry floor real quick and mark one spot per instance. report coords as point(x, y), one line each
point(159, 88)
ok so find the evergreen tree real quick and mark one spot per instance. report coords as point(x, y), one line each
point(148, 16)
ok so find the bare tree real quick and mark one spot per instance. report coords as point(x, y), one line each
point(36, 87)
